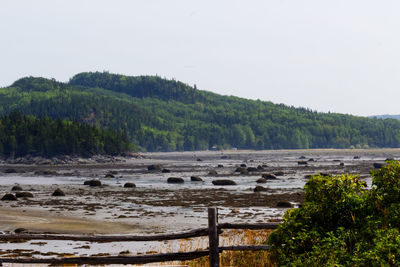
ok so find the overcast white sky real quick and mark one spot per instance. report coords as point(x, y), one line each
point(339, 56)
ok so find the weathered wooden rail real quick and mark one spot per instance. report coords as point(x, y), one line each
point(213, 231)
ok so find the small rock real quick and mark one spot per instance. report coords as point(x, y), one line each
point(311, 159)
point(302, 157)
point(261, 181)
point(10, 171)
point(268, 176)
point(389, 159)
point(302, 163)
point(220, 166)
point(45, 172)
point(341, 164)
point(260, 168)
point(16, 188)
point(235, 211)
point(175, 180)
point(196, 179)
point(93, 182)
point(260, 188)
point(23, 194)
point(283, 204)
point(58, 193)
point(154, 167)
point(279, 173)
point(252, 169)
point(198, 159)
point(213, 172)
point(129, 185)
point(10, 197)
point(166, 171)
point(243, 165)
point(223, 182)
point(356, 157)
point(109, 175)
point(20, 230)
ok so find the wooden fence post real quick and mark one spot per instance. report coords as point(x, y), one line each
point(213, 237)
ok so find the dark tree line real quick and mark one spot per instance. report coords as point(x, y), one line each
point(22, 135)
point(167, 115)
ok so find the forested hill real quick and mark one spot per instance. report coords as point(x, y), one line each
point(166, 115)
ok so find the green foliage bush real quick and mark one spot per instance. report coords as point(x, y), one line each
point(341, 223)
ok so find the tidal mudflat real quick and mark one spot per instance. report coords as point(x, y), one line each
point(152, 205)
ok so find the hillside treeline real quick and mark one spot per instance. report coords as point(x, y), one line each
point(22, 135)
point(168, 115)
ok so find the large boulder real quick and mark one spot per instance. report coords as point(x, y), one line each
point(154, 167)
point(196, 179)
point(9, 197)
point(175, 180)
point(223, 182)
point(129, 185)
point(23, 194)
point(58, 193)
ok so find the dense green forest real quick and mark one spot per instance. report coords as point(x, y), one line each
point(22, 135)
point(165, 115)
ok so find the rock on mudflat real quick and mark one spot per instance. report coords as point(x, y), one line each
point(175, 180)
point(23, 194)
point(58, 193)
point(9, 197)
point(283, 204)
point(93, 182)
point(260, 188)
point(196, 179)
point(166, 171)
point(261, 181)
point(129, 185)
point(213, 172)
point(154, 167)
point(16, 188)
point(269, 176)
point(223, 182)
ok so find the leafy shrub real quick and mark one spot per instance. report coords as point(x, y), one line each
point(341, 223)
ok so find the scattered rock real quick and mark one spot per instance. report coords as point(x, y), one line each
point(356, 157)
point(283, 204)
point(175, 180)
point(16, 188)
point(302, 163)
point(341, 164)
point(198, 159)
point(302, 157)
point(58, 193)
point(243, 165)
point(129, 185)
point(261, 181)
point(223, 182)
point(23, 194)
point(93, 182)
point(269, 176)
point(279, 173)
point(252, 169)
point(220, 166)
point(260, 168)
point(213, 172)
point(378, 165)
point(166, 171)
point(311, 159)
point(10, 171)
point(260, 188)
point(9, 197)
point(154, 167)
point(196, 179)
